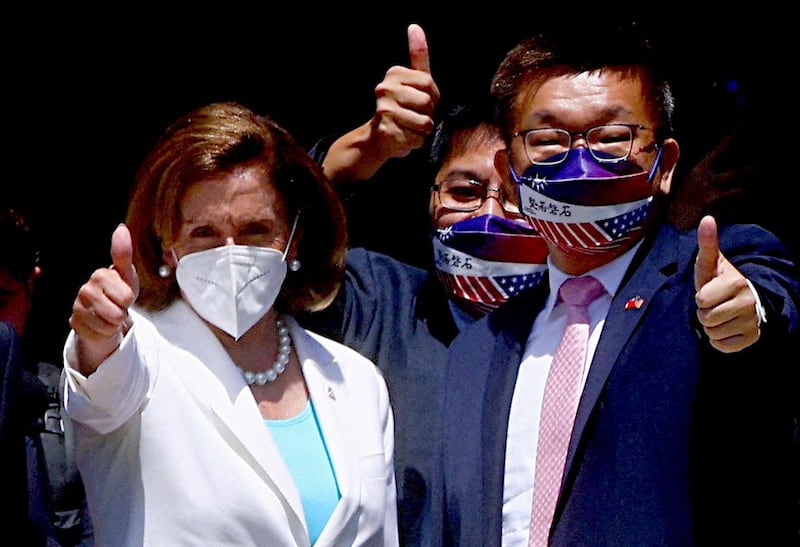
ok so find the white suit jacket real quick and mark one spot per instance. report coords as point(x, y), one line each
point(174, 452)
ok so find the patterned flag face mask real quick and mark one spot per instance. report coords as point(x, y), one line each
point(584, 206)
point(484, 261)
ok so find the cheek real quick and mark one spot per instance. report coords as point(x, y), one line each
point(442, 218)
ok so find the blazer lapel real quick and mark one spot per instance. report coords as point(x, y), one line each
point(647, 274)
point(231, 406)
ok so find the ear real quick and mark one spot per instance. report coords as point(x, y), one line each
point(432, 204)
point(669, 160)
point(168, 258)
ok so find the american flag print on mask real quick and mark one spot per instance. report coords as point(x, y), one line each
point(488, 259)
point(585, 227)
point(585, 205)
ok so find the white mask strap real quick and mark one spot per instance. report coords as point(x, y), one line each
point(291, 235)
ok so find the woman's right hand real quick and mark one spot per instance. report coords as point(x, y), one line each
point(100, 311)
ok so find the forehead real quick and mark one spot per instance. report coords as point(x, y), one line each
point(472, 147)
point(482, 137)
point(583, 99)
point(247, 191)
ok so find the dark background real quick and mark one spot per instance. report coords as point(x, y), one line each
point(84, 95)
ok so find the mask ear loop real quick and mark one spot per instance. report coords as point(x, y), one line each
point(291, 234)
point(655, 165)
point(294, 264)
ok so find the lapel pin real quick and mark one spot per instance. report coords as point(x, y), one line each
point(634, 303)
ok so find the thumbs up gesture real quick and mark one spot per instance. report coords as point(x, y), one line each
point(726, 306)
point(100, 311)
point(406, 99)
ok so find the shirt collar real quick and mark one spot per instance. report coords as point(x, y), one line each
point(610, 275)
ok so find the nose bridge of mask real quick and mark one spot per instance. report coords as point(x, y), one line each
point(580, 164)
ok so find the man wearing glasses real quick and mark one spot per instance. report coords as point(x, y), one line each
point(676, 425)
point(404, 317)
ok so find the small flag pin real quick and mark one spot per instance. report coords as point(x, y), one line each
point(634, 303)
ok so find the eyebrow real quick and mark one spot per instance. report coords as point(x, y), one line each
point(465, 173)
point(205, 221)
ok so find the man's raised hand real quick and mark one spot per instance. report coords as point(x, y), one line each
point(726, 306)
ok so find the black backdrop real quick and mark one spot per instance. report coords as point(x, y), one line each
point(84, 95)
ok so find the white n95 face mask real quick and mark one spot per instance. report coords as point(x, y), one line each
point(232, 286)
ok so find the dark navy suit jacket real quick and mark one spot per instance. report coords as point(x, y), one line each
point(674, 443)
point(19, 520)
point(398, 316)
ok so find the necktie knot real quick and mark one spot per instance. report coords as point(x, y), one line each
point(580, 291)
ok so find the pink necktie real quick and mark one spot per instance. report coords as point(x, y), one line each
point(561, 395)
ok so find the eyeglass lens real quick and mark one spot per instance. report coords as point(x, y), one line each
point(461, 194)
point(605, 142)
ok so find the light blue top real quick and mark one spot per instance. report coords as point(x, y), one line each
point(300, 441)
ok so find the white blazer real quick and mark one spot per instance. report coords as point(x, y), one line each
point(173, 450)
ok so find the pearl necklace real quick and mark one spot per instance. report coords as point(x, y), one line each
point(284, 352)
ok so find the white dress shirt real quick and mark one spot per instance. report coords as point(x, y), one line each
point(526, 404)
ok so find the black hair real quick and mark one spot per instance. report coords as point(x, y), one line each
point(459, 117)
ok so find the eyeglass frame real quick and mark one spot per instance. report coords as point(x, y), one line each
point(437, 187)
point(632, 127)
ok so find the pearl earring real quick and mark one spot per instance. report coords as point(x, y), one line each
point(164, 271)
point(294, 265)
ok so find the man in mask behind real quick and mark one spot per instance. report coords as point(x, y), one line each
point(484, 252)
point(404, 317)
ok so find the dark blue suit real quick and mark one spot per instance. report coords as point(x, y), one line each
point(398, 316)
point(20, 519)
point(674, 443)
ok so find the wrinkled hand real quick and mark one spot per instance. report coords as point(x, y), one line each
point(726, 306)
point(100, 311)
point(406, 100)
